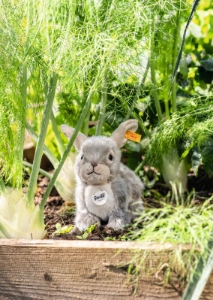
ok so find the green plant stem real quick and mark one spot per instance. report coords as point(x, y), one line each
point(141, 125)
point(134, 115)
point(138, 92)
point(67, 150)
point(23, 87)
point(153, 78)
point(139, 167)
point(201, 273)
point(39, 149)
point(43, 172)
point(166, 104)
point(102, 108)
point(46, 150)
point(194, 7)
point(86, 123)
point(173, 98)
point(59, 140)
point(166, 90)
point(85, 126)
point(176, 38)
point(154, 91)
point(2, 186)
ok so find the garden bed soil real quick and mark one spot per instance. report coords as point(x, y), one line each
point(57, 211)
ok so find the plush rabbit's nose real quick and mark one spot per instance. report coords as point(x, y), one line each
point(94, 165)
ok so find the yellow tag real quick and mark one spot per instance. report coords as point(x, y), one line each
point(133, 136)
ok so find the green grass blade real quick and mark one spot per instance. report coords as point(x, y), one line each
point(201, 273)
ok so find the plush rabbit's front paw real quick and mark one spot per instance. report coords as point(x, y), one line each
point(117, 223)
point(84, 221)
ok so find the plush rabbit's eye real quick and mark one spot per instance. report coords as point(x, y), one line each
point(82, 156)
point(110, 157)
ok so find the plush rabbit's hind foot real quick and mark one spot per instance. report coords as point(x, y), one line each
point(135, 209)
point(116, 223)
point(119, 219)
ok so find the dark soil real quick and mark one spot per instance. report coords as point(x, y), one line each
point(57, 211)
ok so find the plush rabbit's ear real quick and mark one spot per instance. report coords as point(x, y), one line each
point(68, 131)
point(119, 134)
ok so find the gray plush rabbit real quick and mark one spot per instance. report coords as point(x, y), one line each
point(106, 190)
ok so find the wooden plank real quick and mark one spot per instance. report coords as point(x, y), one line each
point(55, 269)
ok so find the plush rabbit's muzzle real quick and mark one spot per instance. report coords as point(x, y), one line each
point(94, 174)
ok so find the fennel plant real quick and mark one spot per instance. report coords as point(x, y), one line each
point(46, 51)
point(164, 150)
point(32, 61)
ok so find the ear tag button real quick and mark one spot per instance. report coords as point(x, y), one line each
point(99, 197)
point(132, 136)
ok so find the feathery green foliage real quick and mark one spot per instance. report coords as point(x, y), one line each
point(179, 222)
point(189, 129)
point(113, 39)
point(36, 34)
point(175, 222)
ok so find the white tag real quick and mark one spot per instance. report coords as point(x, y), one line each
point(99, 197)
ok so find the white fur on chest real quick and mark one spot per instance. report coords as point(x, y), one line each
point(102, 211)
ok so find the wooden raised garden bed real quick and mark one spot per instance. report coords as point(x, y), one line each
point(59, 269)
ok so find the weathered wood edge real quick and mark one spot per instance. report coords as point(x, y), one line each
point(57, 267)
point(152, 246)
